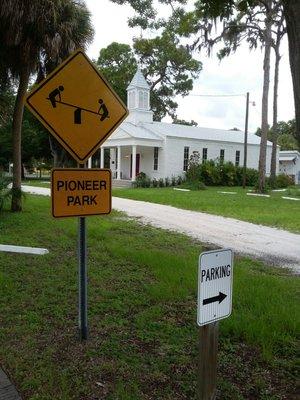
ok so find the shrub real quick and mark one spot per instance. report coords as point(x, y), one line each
point(173, 180)
point(251, 177)
point(161, 182)
point(179, 180)
point(227, 173)
point(154, 183)
point(281, 181)
point(214, 173)
point(142, 180)
point(167, 182)
point(5, 192)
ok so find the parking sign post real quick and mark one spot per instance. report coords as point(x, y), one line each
point(215, 275)
point(207, 365)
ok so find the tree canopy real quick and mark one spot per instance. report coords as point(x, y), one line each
point(168, 67)
point(206, 12)
point(35, 37)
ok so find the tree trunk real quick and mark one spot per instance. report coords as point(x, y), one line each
point(58, 153)
point(292, 16)
point(275, 115)
point(16, 202)
point(265, 108)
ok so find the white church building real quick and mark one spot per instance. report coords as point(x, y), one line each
point(163, 150)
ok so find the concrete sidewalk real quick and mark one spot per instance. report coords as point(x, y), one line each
point(7, 389)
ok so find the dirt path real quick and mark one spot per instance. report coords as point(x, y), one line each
point(273, 245)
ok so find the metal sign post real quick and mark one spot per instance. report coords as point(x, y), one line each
point(82, 286)
point(82, 277)
point(81, 110)
point(214, 303)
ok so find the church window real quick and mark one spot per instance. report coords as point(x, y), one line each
point(131, 100)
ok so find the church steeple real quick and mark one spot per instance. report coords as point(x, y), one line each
point(138, 99)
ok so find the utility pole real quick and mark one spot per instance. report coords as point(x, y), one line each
point(246, 140)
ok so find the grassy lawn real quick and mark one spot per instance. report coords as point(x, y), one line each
point(37, 182)
point(142, 314)
point(273, 211)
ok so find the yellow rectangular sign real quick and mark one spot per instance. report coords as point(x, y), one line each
point(80, 192)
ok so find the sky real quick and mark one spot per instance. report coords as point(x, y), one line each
point(236, 75)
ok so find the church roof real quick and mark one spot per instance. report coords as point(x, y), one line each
point(196, 132)
point(138, 81)
point(161, 130)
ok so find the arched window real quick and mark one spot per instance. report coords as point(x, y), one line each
point(143, 100)
point(131, 99)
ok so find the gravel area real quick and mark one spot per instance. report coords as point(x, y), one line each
point(274, 246)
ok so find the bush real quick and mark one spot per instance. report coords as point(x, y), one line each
point(5, 192)
point(173, 180)
point(215, 173)
point(167, 182)
point(180, 180)
point(154, 183)
point(142, 180)
point(161, 182)
point(281, 181)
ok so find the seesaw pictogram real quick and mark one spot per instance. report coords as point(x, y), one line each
point(55, 97)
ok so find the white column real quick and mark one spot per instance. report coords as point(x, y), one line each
point(101, 157)
point(133, 163)
point(119, 163)
point(90, 162)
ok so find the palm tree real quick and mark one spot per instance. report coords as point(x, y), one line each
point(35, 36)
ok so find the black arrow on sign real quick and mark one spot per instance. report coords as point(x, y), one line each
point(219, 298)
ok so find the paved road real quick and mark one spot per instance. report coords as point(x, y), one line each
point(273, 245)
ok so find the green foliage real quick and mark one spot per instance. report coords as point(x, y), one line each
point(286, 135)
point(173, 180)
point(216, 173)
point(5, 193)
point(154, 183)
point(184, 122)
point(161, 182)
point(281, 181)
point(118, 64)
point(142, 180)
point(35, 142)
point(168, 66)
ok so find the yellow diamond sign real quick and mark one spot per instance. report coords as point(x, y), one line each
point(78, 106)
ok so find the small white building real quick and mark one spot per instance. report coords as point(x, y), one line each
point(289, 164)
point(163, 150)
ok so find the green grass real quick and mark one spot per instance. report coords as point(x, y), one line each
point(273, 211)
point(142, 314)
point(43, 182)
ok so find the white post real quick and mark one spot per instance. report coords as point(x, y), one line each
point(119, 163)
point(133, 163)
point(101, 157)
point(90, 162)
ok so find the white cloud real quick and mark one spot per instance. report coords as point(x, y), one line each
point(237, 74)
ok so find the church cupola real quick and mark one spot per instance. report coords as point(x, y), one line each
point(138, 99)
